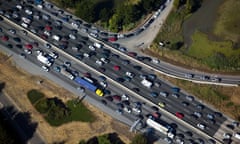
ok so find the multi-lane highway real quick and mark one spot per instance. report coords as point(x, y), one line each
point(194, 112)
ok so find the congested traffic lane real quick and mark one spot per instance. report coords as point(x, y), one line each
point(146, 92)
point(60, 61)
point(34, 58)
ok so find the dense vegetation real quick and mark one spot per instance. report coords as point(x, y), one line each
point(112, 138)
point(217, 53)
point(56, 112)
point(113, 15)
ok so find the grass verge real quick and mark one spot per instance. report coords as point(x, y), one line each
point(56, 112)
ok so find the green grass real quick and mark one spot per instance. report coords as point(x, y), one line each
point(56, 112)
point(202, 47)
point(228, 23)
point(34, 96)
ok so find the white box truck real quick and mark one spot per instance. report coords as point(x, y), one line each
point(146, 83)
point(44, 60)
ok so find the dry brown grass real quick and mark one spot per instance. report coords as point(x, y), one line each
point(18, 83)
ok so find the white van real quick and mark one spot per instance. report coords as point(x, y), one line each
point(24, 25)
point(56, 37)
point(237, 135)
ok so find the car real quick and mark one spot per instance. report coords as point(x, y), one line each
point(17, 39)
point(47, 45)
point(137, 67)
point(125, 97)
point(117, 98)
point(109, 98)
point(67, 63)
point(161, 104)
point(230, 126)
point(189, 75)
point(164, 94)
point(152, 76)
point(198, 114)
point(99, 62)
point(154, 108)
point(204, 77)
point(122, 49)
point(19, 46)
point(154, 94)
point(136, 110)
point(102, 78)
point(53, 55)
point(211, 121)
point(119, 79)
point(200, 106)
point(81, 89)
point(105, 60)
point(126, 102)
point(103, 84)
point(102, 69)
point(179, 115)
point(4, 38)
point(132, 54)
point(86, 74)
point(127, 109)
point(112, 39)
point(75, 73)
point(157, 84)
point(10, 46)
point(45, 68)
point(104, 102)
point(210, 116)
point(12, 31)
point(185, 103)
point(168, 140)
point(127, 78)
point(125, 62)
point(218, 114)
point(119, 111)
point(142, 76)
point(56, 68)
point(175, 95)
point(28, 46)
point(22, 55)
point(227, 135)
point(190, 98)
point(116, 68)
point(189, 134)
point(201, 126)
point(120, 105)
point(27, 51)
point(130, 74)
point(136, 89)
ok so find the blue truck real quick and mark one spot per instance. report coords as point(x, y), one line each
point(89, 85)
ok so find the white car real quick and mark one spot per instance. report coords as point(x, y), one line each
point(53, 55)
point(71, 36)
point(27, 51)
point(104, 60)
point(45, 68)
point(91, 47)
point(127, 109)
point(103, 83)
point(99, 62)
point(130, 74)
point(137, 110)
point(156, 61)
point(29, 12)
point(201, 126)
point(125, 97)
point(47, 33)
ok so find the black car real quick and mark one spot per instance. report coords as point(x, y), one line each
point(119, 79)
point(104, 102)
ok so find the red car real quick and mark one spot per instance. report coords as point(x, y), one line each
point(179, 115)
point(5, 38)
point(87, 74)
point(112, 39)
point(29, 46)
point(116, 68)
point(132, 54)
point(48, 28)
point(116, 98)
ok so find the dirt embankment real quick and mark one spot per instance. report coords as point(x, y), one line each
point(18, 83)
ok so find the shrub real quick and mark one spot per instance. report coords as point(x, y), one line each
point(34, 96)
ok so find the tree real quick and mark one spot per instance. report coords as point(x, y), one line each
point(82, 142)
point(103, 139)
point(86, 10)
point(139, 139)
point(176, 4)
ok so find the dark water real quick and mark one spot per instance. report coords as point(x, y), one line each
point(202, 20)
